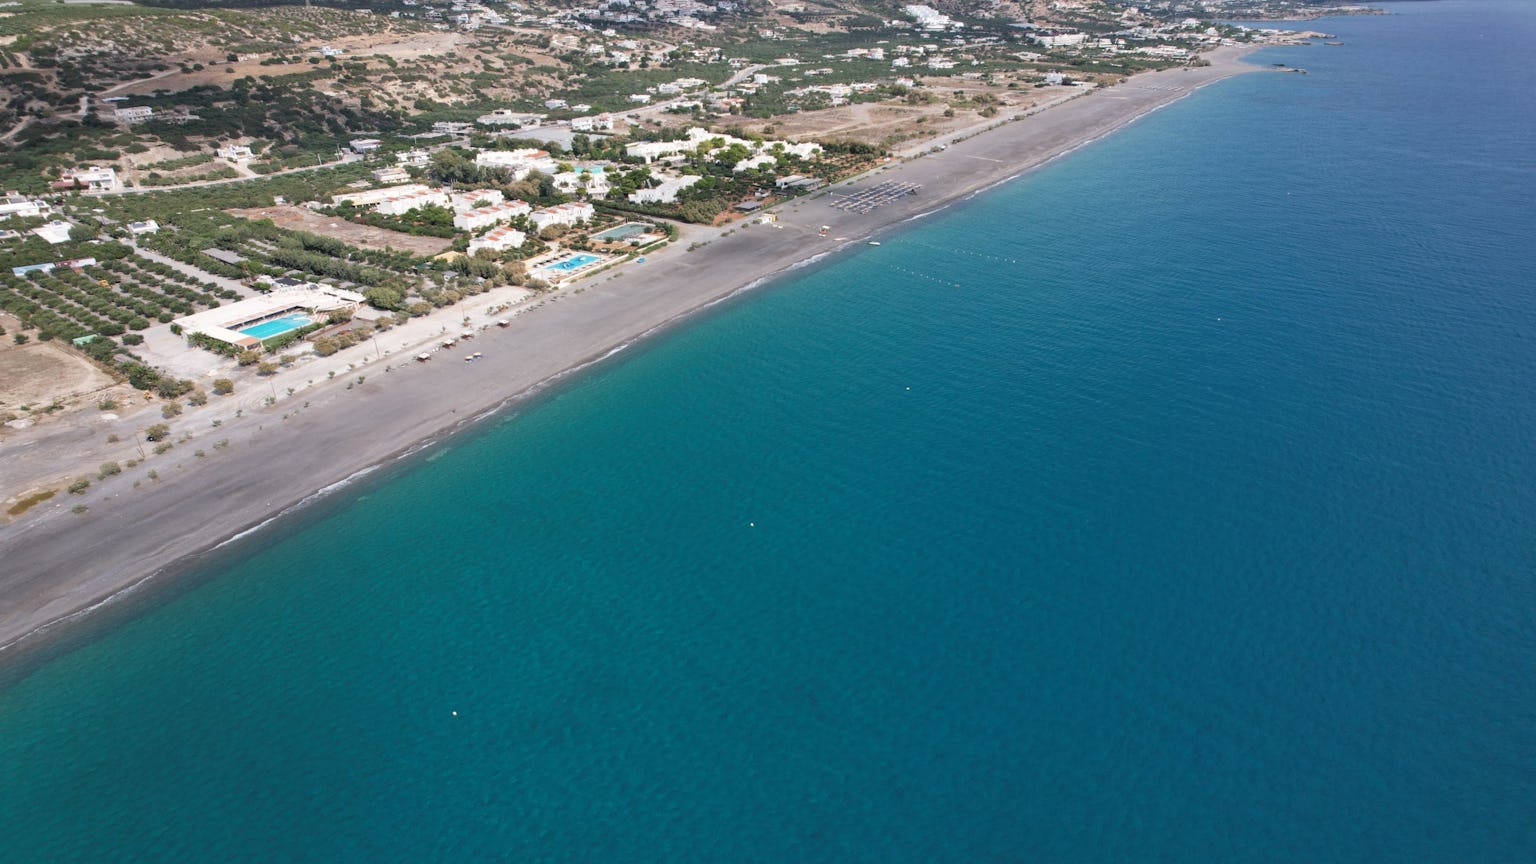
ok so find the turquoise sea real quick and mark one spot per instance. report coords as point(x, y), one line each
point(1176, 502)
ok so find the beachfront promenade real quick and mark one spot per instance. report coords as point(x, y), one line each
point(58, 563)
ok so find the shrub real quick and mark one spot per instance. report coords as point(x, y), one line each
point(108, 469)
point(170, 409)
point(156, 432)
point(223, 387)
point(79, 486)
point(197, 399)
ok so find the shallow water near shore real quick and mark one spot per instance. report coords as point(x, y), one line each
point(1175, 502)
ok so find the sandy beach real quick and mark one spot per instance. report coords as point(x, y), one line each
point(59, 565)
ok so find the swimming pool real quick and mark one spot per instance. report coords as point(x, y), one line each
point(575, 262)
point(277, 326)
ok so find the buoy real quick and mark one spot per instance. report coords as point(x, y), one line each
point(455, 713)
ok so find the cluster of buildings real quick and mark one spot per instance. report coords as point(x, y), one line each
point(474, 211)
point(691, 14)
point(714, 142)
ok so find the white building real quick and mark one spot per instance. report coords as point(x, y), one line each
point(365, 145)
point(652, 150)
point(402, 204)
point(665, 192)
point(601, 122)
point(759, 161)
point(17, 204)
point(372, 197)
point(498, 239)
point(139, 229)
point(561, 214)
point(805, 150)
point(235, 153)
point(391, 175)
point(595, 183)
point(484, 217)
point(1060, 40)
point(929, 18)
point(93, 178)
point(465, 201)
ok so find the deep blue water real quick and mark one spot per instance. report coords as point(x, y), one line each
point(1174, 503)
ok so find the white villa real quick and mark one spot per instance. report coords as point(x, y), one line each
point(463, 201)
point(402, 204)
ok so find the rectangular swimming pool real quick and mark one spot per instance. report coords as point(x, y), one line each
point(575, 262)
point(277, 326)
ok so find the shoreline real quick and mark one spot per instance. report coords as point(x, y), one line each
point(64, 569)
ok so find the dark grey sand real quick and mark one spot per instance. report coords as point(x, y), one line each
point(55, 565)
